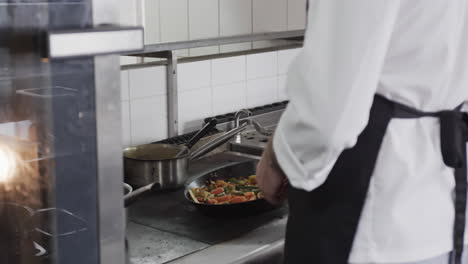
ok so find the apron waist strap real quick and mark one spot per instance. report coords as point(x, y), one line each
point(453, 129)
point(453, 138)
point(404, 111)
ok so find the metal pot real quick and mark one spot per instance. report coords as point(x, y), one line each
point(160, 163)
point(142, 165)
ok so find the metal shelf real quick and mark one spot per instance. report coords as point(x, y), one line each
point(171, 46)
point(167, 51)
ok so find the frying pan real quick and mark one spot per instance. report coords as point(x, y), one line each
point(243, 169)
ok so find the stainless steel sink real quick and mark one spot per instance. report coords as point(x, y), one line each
point(250, 142)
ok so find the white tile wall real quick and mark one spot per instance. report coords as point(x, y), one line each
point(194, 106)
point(235, 17)
point(262, 91)
point(126, 134)
point(128, 13)
point(269, 15)
point(282, 93)
point(206, 88)
point(146, 82)
point(229, 98)
point(296, 14)
point(203, 23)
point(285, 57)
point(174, 20)
point(194, 75)
point(148, 119)
point(177, 20)
point(262, 65)
point(203, 19)
point(152, 33)
point(228, 70)
point(124, 91)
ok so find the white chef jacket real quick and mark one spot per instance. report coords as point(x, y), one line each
point(411, 51)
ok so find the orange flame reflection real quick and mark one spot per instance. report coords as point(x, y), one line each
point(8, 163)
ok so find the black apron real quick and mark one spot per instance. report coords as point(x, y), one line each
point(322, 223)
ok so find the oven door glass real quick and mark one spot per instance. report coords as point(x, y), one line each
point(48, 140)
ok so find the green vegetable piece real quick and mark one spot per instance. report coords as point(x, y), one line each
point(234, 180)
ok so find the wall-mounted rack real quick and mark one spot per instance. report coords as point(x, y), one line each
point(168, 50)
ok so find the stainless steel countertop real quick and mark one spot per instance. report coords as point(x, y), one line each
point(156, 247)
point(243, 249)
point(150, 245)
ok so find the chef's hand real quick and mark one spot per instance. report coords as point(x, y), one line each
point(270, 176)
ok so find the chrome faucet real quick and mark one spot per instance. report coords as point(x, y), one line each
point(238, 115)
point(259, 128)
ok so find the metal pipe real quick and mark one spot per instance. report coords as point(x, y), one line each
point(172, 95)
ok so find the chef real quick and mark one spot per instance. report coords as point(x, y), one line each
point(373, 141)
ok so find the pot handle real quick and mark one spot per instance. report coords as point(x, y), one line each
point(205, 130)
point(133, 196)
point(208, 147)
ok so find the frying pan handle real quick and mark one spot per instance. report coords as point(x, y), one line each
point(208, 147)
point(205, 130)
point(133, 196)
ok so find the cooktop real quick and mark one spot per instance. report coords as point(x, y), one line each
point(170, 212)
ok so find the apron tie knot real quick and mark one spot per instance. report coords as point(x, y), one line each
point(453, 134)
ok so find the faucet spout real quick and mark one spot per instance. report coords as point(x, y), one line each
point(238, 116)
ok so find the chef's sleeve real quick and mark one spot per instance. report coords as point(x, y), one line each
point(331, 85)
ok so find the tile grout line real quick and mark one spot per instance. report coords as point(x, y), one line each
point(211, 86)
point(129, 128)
point(129, 110)
point(245, 80)
point(219, 23)
point(277, 75)
point(159, 21)
point(188, 24)
point(251, 21)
